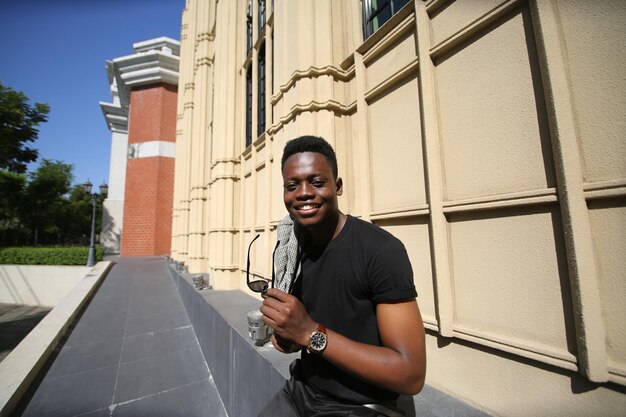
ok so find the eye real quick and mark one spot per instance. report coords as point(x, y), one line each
point(290, 186)
point(318, 183)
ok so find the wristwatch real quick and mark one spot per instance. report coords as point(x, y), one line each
point(318, 340)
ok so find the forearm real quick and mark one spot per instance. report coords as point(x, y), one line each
point(398, 365)
point(378, 365)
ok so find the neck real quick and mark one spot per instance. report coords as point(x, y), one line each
point(325, 233)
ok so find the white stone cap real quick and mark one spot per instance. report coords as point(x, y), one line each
point(145, 68)
point(154, 61)
point(163, 44)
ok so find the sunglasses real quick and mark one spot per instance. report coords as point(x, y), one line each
point(260, 285)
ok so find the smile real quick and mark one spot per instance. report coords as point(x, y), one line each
point(305, 207)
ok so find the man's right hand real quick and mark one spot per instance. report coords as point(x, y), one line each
point(287, 316)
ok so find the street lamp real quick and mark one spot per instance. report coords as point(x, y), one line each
point(104, 188)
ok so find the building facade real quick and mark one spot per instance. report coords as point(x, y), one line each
point(489, 136)
point(137, 215)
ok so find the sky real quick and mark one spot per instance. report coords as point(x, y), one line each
point(55, 52)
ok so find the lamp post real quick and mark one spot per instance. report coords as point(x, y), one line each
point(104, 188)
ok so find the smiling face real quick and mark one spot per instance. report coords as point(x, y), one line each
point(311, 191)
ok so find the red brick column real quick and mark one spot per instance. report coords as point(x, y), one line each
point(147, 228)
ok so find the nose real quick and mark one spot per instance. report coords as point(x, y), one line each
point(305, 191)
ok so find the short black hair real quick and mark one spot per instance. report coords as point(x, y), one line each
point(310, 143)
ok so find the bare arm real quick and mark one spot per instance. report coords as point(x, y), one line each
point(399, 365)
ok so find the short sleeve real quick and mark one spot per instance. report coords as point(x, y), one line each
point(390, 276)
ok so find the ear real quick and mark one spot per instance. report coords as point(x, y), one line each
point(339, 185)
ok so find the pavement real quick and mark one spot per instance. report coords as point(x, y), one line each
point(132, 352)
point(16, 321)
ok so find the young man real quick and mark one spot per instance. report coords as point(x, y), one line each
point(351, 308)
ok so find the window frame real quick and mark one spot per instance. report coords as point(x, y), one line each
point(370, 14)
point(261, 90)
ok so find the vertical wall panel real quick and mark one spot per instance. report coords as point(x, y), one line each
point(608, 221)
point(493, 126)
point(594, 41)
point(397, 175)
point(413, 232)
point(510, 276)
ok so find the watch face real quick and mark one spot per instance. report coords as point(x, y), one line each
point(318, 341)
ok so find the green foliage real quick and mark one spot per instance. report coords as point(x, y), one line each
point(46, 195)
point(18, 122)
point(38, 207)
point(54, 255)
point(12, 192)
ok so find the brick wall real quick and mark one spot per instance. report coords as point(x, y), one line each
point(153, 113)
point(149, 180)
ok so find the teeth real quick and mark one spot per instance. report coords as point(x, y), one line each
point(307, 207)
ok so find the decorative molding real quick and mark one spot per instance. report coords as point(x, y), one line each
point(517, 199)
point(225, 268)
point(537, 351)
point(115, 116)
point(604, 189)
point(163, 44)
point(474, 27)
point(338, 74)
point(154, 61)
point(224, 230)
point(409, 70)
point(216, 178)
point(313, 106)
point(204, 62)
point(385, 44)
point(391, 26)
point(400, 212)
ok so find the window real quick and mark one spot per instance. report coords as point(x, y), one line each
point(249, 26)
point(261, 15)
point(249, 106)
point(377, 12)
point(261, 92)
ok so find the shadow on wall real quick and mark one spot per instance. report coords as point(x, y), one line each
point(111, 237)
point(14, 292)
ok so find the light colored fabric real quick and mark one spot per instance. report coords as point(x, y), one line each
point(287, 254)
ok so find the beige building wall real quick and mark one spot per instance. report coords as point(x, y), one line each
point(488, 135)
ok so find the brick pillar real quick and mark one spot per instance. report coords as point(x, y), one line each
point(149, 188)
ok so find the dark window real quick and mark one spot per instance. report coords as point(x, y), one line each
point(377, 12)
point(249, 25)
point(261, 92)
point(261, 14)
point(249, 106)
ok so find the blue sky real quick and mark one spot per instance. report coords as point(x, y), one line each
point(55, 52)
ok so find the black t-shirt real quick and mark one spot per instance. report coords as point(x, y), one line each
point(340, 284)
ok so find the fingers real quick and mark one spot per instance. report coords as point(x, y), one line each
point(279, 295)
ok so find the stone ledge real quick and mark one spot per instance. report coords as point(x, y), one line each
point(247, 376)
point(21, 366)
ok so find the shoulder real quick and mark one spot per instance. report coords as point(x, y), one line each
point(375, 235)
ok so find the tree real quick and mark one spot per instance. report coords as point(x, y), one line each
point(11, 197)
point(75, 224)
point(18, 127)
point(46, 199)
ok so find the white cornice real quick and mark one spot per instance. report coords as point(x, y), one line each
point(115, 116)
point(155, 61)
point(163, 44)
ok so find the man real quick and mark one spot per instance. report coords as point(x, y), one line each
point(351, 308)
